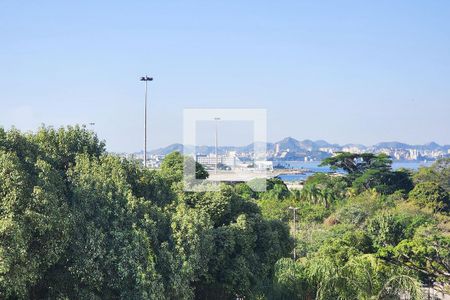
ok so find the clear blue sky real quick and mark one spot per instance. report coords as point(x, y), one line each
point(344, 71)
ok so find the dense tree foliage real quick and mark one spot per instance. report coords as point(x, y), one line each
point(368, 171)
point(354, 163)
point(438, 173)
point(377, 236)
point(79, 223)
point(431, 195)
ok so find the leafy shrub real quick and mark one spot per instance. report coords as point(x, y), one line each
point(431, 195)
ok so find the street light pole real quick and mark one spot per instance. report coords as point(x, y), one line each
point(145, 79)
point(294, 209)
point(216, 142)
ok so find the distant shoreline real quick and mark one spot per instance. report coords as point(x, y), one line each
point(302, 170)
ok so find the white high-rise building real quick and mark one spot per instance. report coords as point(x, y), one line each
point(277, 148)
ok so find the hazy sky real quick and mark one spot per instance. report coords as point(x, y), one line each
point(344, 71)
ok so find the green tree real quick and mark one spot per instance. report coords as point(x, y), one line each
point(430, 195)
point(147, 183)
point(34, 223)
point(353, 163)
point(386, 230)
point(368, 171)
point(427, 253)
point(193, 245)
point(292, 280)
point(110, 248)
point(438, 173)
point(275, 189)
point(60, 146)
point(173, 165)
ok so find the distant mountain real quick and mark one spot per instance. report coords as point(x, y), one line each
point(250, 147)
point(303, 146)
point(169, 149)
point(205, 149)
point(288, 143)
point(396, 145)
point(432, 146)
point(324, 144)
point(392, 145)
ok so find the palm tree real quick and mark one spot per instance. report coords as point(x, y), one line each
point(401, 285)
point(327, 196)
point(315, 194)
point(306, 193)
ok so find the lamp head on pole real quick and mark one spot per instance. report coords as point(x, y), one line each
point(146, 78)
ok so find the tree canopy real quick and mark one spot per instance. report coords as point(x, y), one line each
point(77, 222)
point(367, 171)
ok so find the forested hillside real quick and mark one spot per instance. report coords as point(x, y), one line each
point(374, 233)
point(79, 223)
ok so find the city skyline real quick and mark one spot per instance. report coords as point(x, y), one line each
point(308, 140)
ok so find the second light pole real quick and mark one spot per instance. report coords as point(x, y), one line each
point(216, 119)
point(146, 79)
